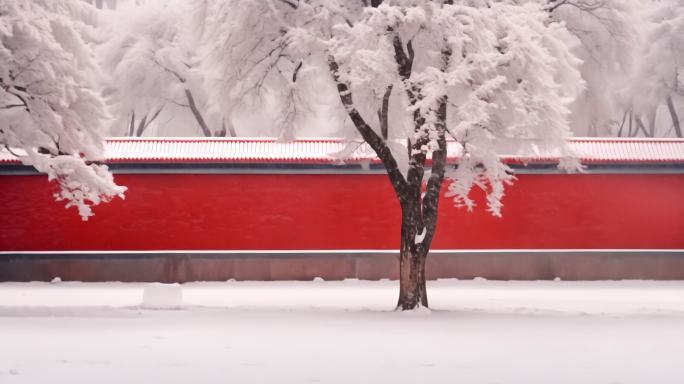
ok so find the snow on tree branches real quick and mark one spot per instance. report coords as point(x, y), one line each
point(50, 111)
point(409, 74)
point(504, 71)
point(149, 59)
point(609, 32)
point(660, 77)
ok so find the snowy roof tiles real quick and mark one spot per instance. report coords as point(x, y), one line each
point(315, 151)
point(231, 150)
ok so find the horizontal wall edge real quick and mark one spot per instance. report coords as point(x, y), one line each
point(318, 252)
point(186, 266)
point(275, 168)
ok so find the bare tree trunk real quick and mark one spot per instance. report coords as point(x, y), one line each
point(622, 124)
point(197, 113)
point(191, 101)
point(141, 126)
point(640, 125)
point(131, 126)
point(652, 123)
point(231, 128)
point(412, 258)
point(227, 129)
point(674, 117)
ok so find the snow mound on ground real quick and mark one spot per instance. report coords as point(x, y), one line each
point(418, 311)
point(162, 296)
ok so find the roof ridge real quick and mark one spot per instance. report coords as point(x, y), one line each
point(589, 150)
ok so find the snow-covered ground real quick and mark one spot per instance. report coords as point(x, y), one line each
point(344, 332)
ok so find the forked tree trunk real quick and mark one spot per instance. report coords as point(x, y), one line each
point(418, 225)
point(419, 209)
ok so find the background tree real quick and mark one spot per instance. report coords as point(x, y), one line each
point(609, 33)
point(657, 90)
point(631, 52)
point(408, 75)
point(50, 111)
point(148, 55)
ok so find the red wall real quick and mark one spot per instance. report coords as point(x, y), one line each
point(222, 212)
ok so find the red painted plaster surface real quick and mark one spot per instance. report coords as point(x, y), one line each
point(293, 212)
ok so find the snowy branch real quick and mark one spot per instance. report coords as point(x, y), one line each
point(50, 109)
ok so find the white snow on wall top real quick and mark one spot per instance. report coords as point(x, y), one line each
point(247, 150)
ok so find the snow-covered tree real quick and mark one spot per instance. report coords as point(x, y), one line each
point(609, 32)
point(50, 111)
point(659, 82)
point(149, 57)
point(409, 75)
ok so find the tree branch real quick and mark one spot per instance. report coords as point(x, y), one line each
point(10, 106)
point(290, 3)
point(404, 61)
point(197, 113)
point(296, 71)
point(674, 117)
point(622, 124)
point(11, 151)
point(231, 128)
point(439, 163)
point(376, 142)
point(141, 126)
point(640, 125)
point(154, 116)
point(131, 125)
point(383, 113)
point(169, 70)
point(434, 184)
point(10, 89)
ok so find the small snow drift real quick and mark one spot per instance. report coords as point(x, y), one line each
point(162, 296)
